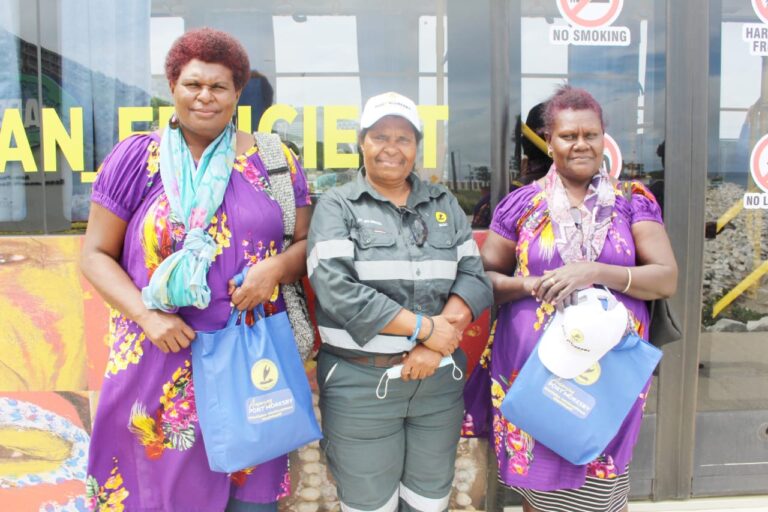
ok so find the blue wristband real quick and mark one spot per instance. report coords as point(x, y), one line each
point(415, 334)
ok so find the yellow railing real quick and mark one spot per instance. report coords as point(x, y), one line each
point(751, 279)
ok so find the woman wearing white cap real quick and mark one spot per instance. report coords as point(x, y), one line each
point(570, 230)
point(397, 277)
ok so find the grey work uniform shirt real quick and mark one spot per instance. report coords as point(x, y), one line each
point(365, 264)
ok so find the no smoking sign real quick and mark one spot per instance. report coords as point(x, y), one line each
point(761, 9)
point(758, 163)
point(612, 156)
point(758, 168)
point(589, 23)
point(590, 13)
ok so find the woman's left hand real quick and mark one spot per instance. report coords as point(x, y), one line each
point(558, 286)
point(420, 363)
point(260, 286)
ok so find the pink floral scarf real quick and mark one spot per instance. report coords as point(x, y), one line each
point(580, 232)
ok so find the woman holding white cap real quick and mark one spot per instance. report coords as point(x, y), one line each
point(397, 277)
point(570, 230)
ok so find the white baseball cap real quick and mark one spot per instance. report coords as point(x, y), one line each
point(389, 104)
point(581, 334)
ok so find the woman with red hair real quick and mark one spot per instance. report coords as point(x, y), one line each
point(569, 230)
point(174, 215)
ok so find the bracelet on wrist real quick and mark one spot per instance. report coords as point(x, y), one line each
point(431, 330)
point(629, 280)
point(413, 337)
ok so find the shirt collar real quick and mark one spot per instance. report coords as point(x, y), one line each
point(420, 191)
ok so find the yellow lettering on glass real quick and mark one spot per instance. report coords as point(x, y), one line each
point(310, 137)
point(274, 114)
point(334, 136)
point(244, 121)
point(430, 116)
point(70, 142)
point(163, 116)
point(12, 127)
point(88, 177)
point(339, 149)
point(126, 116)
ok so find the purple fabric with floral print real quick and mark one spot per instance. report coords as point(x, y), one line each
point(523, 217)
point(146, 449)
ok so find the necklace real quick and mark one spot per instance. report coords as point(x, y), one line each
point(575, 212)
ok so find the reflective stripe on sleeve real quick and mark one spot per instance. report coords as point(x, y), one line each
point(467, 249)
point(379, 344)
point(328, 249)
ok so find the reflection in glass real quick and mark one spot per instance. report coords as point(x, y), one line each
point(98, 59)
point(13, 204)
point(733, 369)
point(315, 44)
point(99, 85)
point(628, 81)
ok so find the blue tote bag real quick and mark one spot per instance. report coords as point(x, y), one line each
point(252, 395)
point(577, 418)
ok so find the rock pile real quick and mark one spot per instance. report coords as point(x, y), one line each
point(729, 257)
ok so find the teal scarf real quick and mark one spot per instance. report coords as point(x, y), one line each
point(194, 194)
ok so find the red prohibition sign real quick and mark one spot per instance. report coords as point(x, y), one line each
point(761, 9)
point(612, 152)
point(572, 11)
point(758, 163)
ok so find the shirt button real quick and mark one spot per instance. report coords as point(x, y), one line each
point(418, 272)
point(418, 307)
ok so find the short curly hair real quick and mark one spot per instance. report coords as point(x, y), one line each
point(212, 46)
point(570, 98)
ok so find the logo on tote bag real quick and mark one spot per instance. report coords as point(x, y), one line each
point(264, 374)
point(268, 406)
point(590, 376)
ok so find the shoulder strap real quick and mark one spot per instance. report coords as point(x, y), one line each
point(271, 153)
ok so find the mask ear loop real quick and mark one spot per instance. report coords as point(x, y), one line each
point(456, 372)
point(379, 395)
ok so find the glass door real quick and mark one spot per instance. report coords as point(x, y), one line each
point(731, 451)
point(616, 50)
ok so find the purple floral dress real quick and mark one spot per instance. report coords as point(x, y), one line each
point(146, 450)
point(523, 217)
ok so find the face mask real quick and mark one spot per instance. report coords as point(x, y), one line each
point(395, 372)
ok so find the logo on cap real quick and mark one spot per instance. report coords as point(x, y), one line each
point(389, 104)
point(579, 335)
point(575, 337)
